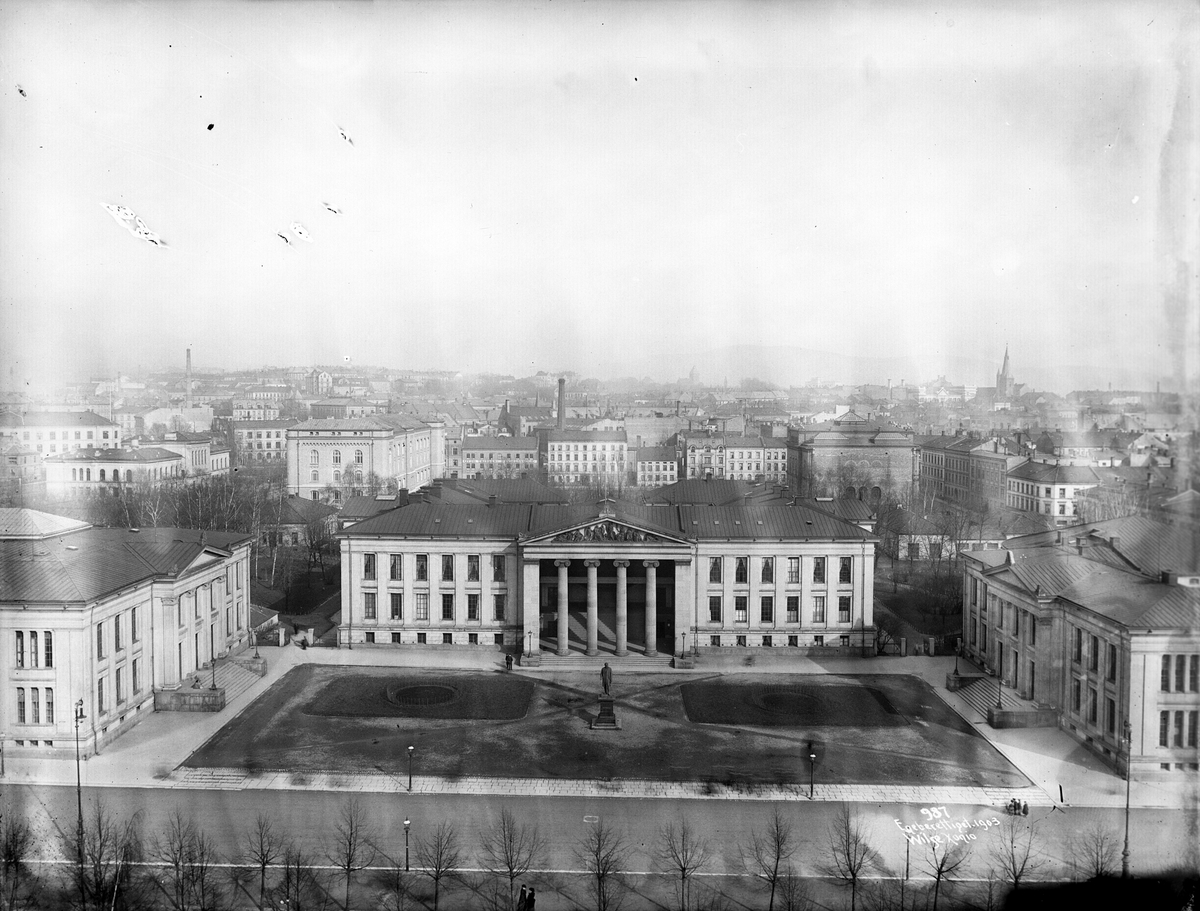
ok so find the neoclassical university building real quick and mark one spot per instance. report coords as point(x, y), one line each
point(609, 578)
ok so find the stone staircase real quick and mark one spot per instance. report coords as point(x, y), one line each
point(981, 696)
point(577, 661)
point(231, 677)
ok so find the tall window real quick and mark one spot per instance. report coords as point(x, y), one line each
point(396, 567)
point(1091, 705)
point(358, 457)
point(1110, 715)
point(50, 706)
point(768, 570)
point(101, 702)
point(35, 708)
point(422, 567)
point(135, 632)
point(1165, 684)
point(1180, 671)
point(1094, 662)
point(1193, 672)
point(793, 575)
point(136, 673)
point(844, 570)
point(714, 569)
point(447, 567)
point(498, 607)
point(1078, 656)
point(472, 567)
point(337, 457)
point(1164, 729)
point(314, 458)
point(793, 609)
point(473, 606)
point(1112, 661)
point(20, 705)
point(819, 570)
point(120, 685)
point(100, 640)
point(819, 609)
point(767, 610)
point(1178, 729)
point(117, 643)
point(740, 614)
point(714, 608)
point(1076, 696)
point(422, 605)
point(497, 567)
point(741, 572)
point(397, 605)
point(447, 606)
point(20, 649)
point(369, 566)
point(1192, 719)
point(369, 605)
point(844, 609)
point(1032, 630)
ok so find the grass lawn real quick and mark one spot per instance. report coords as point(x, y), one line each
point(872, 728)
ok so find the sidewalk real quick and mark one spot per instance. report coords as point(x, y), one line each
point(151, 754)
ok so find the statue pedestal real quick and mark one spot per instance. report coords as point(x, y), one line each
point(607, 721)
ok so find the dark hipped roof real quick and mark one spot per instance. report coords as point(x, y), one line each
point(93, 563)
point(16, 523)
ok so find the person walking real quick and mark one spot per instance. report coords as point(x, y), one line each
point(530, 900)
point(508, 661)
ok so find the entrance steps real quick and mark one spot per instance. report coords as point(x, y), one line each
point(981, 696)
point(579, 662)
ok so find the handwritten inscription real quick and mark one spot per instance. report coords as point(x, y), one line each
point(940, 829)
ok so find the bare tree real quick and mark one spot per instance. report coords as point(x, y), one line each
point(440, 856)
point(353, 846)
point(188, 857)
point(603, 853)
point(395, 884)
point(943, 864)
point(1095, 852)
point(16, 838)
point(851, 852)
point(510, 850)
point(793, 892)
point(110, 848)
point(263, 849)
point(1016, 851)
point(298, 887)
point(768, 852)
point(682, 853)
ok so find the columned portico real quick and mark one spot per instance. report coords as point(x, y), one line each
point(563, 603)
point(593, 608)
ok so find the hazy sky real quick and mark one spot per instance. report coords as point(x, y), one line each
point(611, 188)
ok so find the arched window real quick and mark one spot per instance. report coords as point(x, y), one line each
point(337, 457)
point(314, 475)
point(73, 471)
point(358, 477)
point(89, 474)
point(337, 477)
point(358, 457)
point(314, 457)
point(128, 475)
point(101, 474)
point(876, 494)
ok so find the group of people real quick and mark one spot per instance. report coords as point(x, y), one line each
point(1017, 808)
point(527, 900)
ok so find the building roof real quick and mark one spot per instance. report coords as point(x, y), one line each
point(25, 524)
point(656, 454)
point(1045, 473)
point(507, 520)
point(54, 419)
point(137, 454)
point(97, 562)
point(586, 436)
point(301, 511)
point(505, 490)
point(523, 444)
point(355, 509)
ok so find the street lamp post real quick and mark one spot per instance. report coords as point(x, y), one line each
point(1128, 776)
point(957, 649)
point(812, 768)
point(79, 716)
point(529, 646)
point(406, 823)
point(410, 752)
point(999, 687)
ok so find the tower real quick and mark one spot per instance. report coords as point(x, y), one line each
point(1004, 382)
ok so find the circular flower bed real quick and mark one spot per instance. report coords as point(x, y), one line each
point(421, 694)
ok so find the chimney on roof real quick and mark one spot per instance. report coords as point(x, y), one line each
point(188, 395)
point(1115, 542)
point(492, 500)
point(562, 403)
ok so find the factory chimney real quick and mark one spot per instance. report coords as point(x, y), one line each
point(188, 395)
point(562, 403)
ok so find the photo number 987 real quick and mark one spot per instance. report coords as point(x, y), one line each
point(932, 813)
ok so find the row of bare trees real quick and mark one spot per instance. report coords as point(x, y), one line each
point(115, 865)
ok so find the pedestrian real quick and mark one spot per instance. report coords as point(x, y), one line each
point(529, 901)
point(1025, 808)
point(524, 897)
point(508, 661)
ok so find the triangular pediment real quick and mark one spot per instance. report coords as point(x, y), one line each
point(605, 530)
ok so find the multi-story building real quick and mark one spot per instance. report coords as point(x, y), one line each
point(499, 457)
point(608, 578)
point(594, 457)
point(1097, 622)
point(1049, 490)
point(53, 432)
point(247, 409)
point(260, 441)
point(87, 471)
point(734, 457)
point(656, 465)
point(849, 456)
point(201, 456)
point(108, 617)
point(348, 453)
point(967, 470)
point(342, 407)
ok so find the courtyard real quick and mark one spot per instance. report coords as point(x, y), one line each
point(719, 728)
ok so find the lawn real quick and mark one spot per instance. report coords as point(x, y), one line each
point(872, 728)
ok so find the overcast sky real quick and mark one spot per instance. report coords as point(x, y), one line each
point(611, 188)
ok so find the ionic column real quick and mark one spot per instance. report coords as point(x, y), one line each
point(563, 648)
point(651, 607)
point(622, 608)
point(593, 608)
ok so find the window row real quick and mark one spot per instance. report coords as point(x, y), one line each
point(421, 606)
point(768, 641)
point(45, 654)
point(421, 567)
point(1095, 648)
point(1185, 666)
point(447, 638)
point(119, 679)
point(33, 714)
point(314, 457)
point(741, 570)
point(1093, 706)
point(121, 626)
point(766, 609)
point(1166, 729)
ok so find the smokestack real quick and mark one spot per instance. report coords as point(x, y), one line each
point(188, 397)
point(562, 403)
